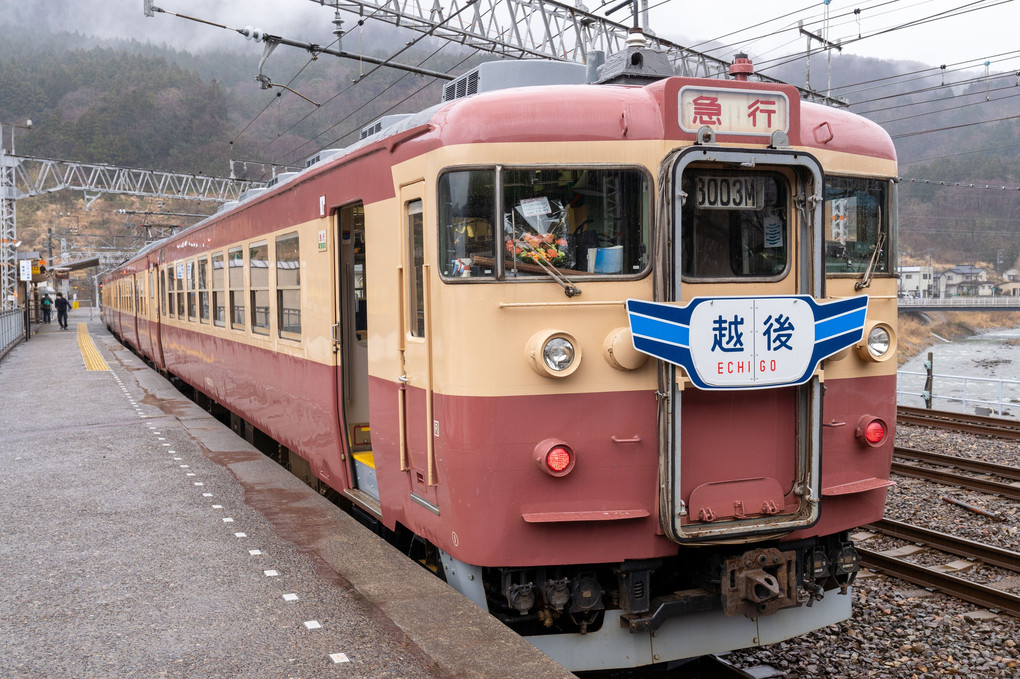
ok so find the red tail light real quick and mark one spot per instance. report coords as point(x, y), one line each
point(554, 457)
point(872, 430)
point(558, 459)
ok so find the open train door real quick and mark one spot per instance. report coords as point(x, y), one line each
point(159, 299)
point(350, 337)
point(419, 427)
point(152, 309)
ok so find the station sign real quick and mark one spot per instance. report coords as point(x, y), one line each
point(25, 270)
point(733, 111)
point(747, 342)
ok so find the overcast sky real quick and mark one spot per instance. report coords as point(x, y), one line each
point(970, 30)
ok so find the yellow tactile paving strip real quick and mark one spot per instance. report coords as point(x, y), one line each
point(93, 359)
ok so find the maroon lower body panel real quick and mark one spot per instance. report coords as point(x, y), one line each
point(291, 399)
point(492, 504)
point(854, 474)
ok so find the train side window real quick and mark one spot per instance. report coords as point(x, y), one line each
point(140, 295)
point(192, 291)
point(590, 221)
point(735, 225)
point(203, 290)
point(219, 306)
point(179, 277)
point(856, 219)
point(258, 276)
point(288, 286)
point(235, 279)
point(416, 279)
point(467, 241)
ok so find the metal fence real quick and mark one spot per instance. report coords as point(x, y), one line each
point(956, 393)
point(950, 303)
point(12, 329)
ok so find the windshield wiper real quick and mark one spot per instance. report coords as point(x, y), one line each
point(865, 281)
point(569, 288)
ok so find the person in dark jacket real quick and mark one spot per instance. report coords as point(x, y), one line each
point(62, 306)
point(47, 306)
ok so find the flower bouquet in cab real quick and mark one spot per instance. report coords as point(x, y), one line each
point(538, 248)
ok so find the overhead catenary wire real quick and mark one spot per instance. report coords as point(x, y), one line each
point(955, 155)
point(362, 77)
point(315, 50)
point(947, 14)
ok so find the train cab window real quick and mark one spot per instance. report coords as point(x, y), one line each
point(856, 223)
point(192, 291)
point(288, 286)
point(580, 220)
point(467, 208)
point(735, 225)
point(235, 279)
point(258, 276)
point(203, 290)
point(219, 307)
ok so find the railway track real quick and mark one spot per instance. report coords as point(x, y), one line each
point(973, 592)
point(989, 554)
point(957, 462)
point(978, 594)
point(975, 424)
point(950, 478)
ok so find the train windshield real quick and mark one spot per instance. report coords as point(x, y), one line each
point(735, 225)
point(856, 222)
point(514, 223)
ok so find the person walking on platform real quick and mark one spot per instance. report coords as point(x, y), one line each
point(47, 306)
point(62, 306)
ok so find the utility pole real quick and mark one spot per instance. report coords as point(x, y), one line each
point(829, 47)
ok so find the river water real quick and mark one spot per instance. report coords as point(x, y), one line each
point(990, 363)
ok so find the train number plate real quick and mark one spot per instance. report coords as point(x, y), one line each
point(729, 193)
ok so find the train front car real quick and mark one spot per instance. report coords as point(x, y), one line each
point(654, 372)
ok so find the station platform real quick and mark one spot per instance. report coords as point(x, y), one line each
point(140, 537)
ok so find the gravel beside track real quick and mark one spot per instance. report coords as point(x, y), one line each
point(899, 630)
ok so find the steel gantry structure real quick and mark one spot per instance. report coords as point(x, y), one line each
point(547, 29)
point(24, 177)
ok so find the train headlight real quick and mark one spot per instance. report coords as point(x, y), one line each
point(554, 353)
point(872, 430)
point(558, 353)
point(879, 342)
point(554, 457)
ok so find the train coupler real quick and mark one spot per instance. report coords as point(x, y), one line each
point(760, 582)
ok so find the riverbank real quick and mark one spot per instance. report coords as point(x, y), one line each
point(918, 331)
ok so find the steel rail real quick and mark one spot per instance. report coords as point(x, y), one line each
point(950, 479)
point(966, 464)
point(981, 595)
point(989, 554)
point(975, 424)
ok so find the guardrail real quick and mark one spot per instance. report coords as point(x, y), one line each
point(990, 302)
point(956, 393)
point(12, 329)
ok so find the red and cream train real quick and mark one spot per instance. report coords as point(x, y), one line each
point(622, 353)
